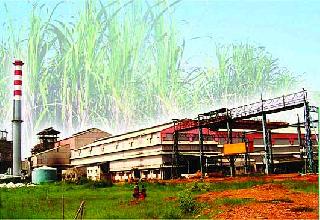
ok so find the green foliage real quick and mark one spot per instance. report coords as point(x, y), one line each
point(187, 203)
point(199, 187)
point(220, 186)
point(172, 213)
point(45, 201)
point(99, 184)
point(121, 63)
point(87, 183)
point(302, 186)
point(109, 202)
point(243, 72)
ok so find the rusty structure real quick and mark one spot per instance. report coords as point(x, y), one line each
point(56, 153)
point(238, 118)
point(47, 138)
point(6, 152)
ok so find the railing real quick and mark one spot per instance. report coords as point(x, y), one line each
point(270, 105)
point(273, 105)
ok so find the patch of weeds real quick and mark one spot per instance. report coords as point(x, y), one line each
point(86, 183)
point(234, 185)
point(187, 203)
point(301, 186)
point(199, 187)
point(233, 201)
point(195, 187)
point(151, 214)
point(302, 209)
point(172, 213)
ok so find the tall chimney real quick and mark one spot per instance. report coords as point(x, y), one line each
point(16, 121)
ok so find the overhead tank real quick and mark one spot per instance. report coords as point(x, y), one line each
point(44, 175)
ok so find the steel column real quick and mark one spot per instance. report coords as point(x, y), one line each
point(308, 141)
point(174, 158)
point(200, 146)
point(232, 158)
point(300, 139)
point(301, 146)
point(270, 152)
point(174, 161)
point(265, 140)
point(246, 155)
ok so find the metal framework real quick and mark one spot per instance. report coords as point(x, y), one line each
point(237, 118)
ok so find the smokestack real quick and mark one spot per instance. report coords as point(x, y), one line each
point(16, 121)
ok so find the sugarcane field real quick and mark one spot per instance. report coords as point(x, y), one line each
point(159, 109)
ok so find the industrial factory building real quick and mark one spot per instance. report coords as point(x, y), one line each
point(144, 153)
point(224, 141)
point(148, 153)
point(56, 153)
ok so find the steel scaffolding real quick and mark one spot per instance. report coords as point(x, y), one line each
point(238, 118)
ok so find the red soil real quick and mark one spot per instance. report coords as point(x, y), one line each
point(270, 201)
point(274, 177)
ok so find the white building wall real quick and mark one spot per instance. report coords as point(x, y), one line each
point(141, 141)
point(93, 173)
point(129, 154)
point(139, 163)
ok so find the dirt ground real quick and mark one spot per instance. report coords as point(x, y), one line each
point(270, 200)
point(273, 177)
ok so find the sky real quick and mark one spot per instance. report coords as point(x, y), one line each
point(288, 29)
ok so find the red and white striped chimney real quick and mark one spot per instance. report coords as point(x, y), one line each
point(17, 92)
point(16, 121)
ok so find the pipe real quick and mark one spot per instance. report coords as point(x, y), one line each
point(16, 121)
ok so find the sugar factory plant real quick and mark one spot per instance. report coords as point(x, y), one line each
point(221, 142)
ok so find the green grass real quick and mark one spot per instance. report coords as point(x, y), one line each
point(301, 186)
point(234, 185)
point(45, 201)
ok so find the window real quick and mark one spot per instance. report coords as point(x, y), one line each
point(117, 144)
point(151, 136)
point(168, 137)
